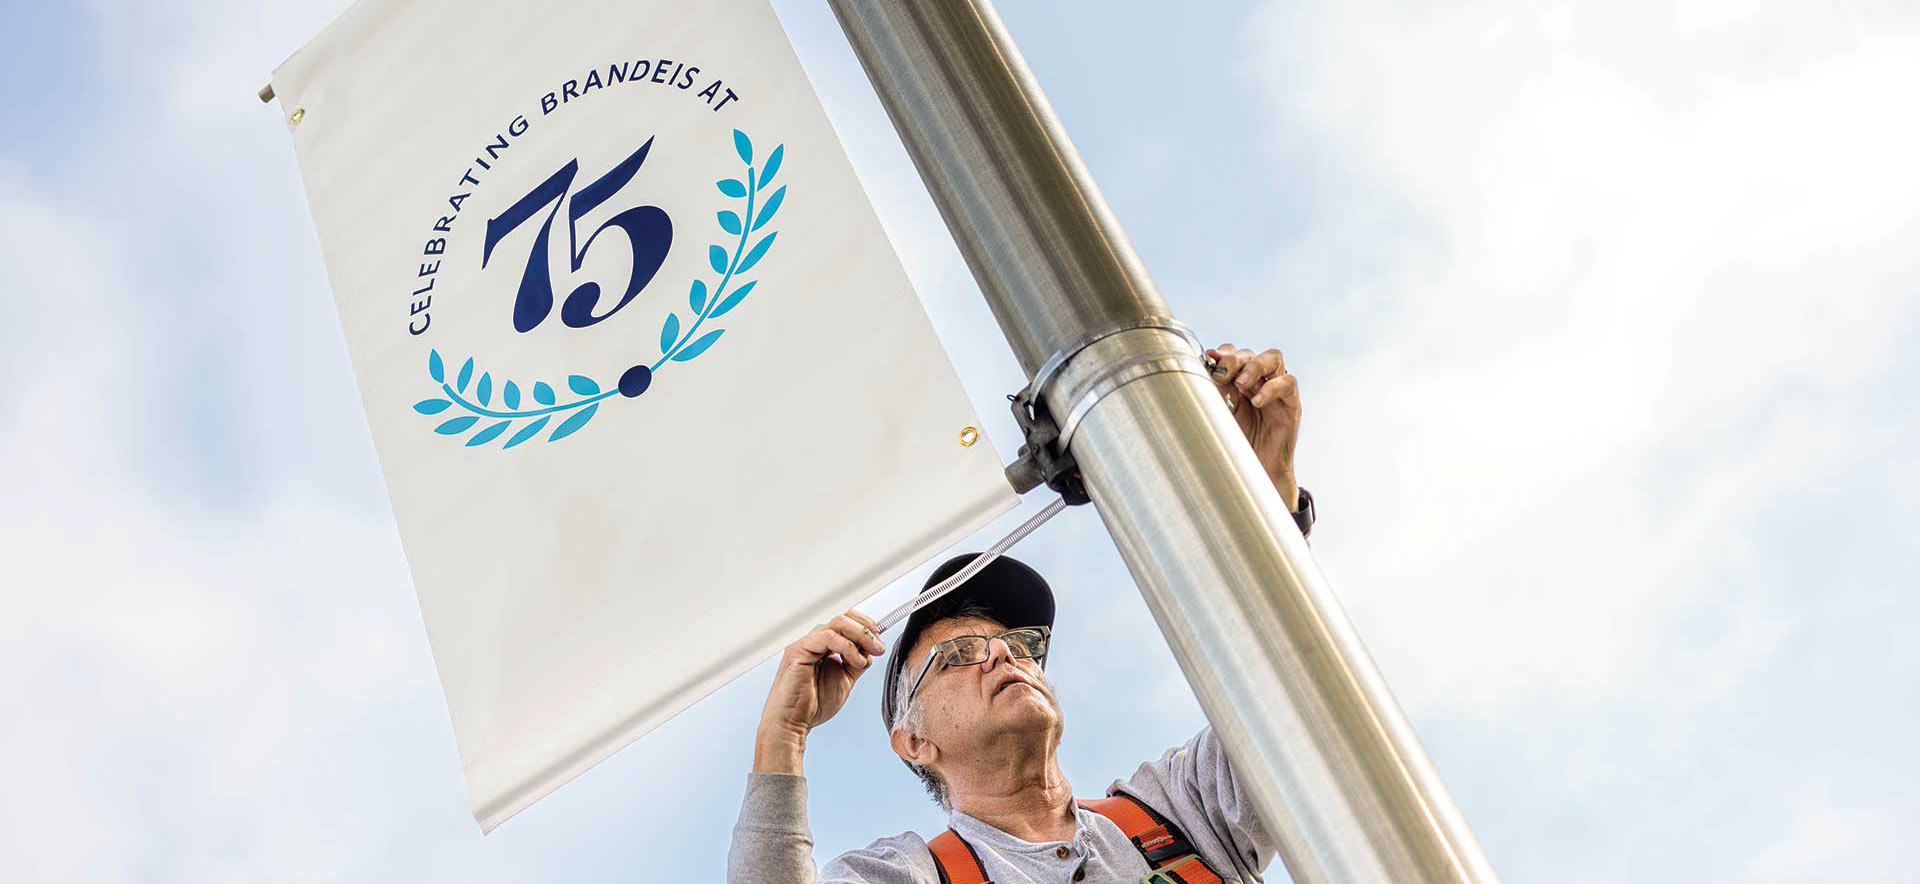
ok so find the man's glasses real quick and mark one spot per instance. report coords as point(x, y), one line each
point(966, 650)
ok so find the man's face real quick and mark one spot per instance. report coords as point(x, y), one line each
point(969, 707)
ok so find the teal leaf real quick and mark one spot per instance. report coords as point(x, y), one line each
point(698, 347)
point(730, 222)
point(773, 165)
point(466, 374)
point(732, 187)
point(435, 367)
point(488, 434)
point(511, 395)
point(773, 205)
point(753, 256)
point(542, 393)
point(697, 299)
point(457, 425)
point(733, 299)
point(578, 420)
point(431, 406)
point(744, 146)
point(670, 332)
point(529, 431)
point(582, 384)
point(717, 256)
point(485, 390)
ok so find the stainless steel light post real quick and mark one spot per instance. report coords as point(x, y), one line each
point(1335, 771)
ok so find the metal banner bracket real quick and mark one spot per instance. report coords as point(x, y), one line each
point(1042, 460)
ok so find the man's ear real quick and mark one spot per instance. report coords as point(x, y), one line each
point(913, 747)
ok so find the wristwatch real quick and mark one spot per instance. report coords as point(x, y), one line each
point(1304, 516)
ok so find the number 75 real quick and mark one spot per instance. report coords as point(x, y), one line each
point(649, 234)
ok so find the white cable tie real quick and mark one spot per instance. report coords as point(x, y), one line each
point(933, 593)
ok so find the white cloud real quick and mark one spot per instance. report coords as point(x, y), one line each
point(1822, 835)
point(1623, 291)
point(165, 666)
point(1602, 285)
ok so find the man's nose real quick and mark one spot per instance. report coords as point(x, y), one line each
point(998, 652)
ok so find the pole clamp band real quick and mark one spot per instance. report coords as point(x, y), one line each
point(1044, 456)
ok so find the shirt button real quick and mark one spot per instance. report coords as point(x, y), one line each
point(1061, 851)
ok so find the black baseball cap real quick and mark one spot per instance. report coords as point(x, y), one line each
point(1010, 592)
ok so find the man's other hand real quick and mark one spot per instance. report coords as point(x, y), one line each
point(815, 676)
point(1265, 401)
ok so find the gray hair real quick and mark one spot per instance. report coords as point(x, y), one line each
point(910, 716)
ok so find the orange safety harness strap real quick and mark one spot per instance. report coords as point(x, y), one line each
point(1166, 850)
point(1172, 857)
point(957, 862)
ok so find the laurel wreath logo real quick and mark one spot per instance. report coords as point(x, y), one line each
point(731, 264)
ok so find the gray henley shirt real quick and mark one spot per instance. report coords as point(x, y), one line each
point(1191, 785)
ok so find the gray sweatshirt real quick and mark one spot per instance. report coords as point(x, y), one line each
point(1190, 785)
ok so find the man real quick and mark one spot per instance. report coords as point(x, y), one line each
point(968, 708)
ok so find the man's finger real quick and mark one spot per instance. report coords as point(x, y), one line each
point(1227, 360)
point(1254, 369)
point(813, 645)
point(1270, 364)
point(871, 625)
point(848, 651)
point(857, 632)
point(1283, 388)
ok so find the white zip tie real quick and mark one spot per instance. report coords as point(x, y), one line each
point(934, 592)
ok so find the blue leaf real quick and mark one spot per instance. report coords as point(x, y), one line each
point(435, 367)
point(431, 406)
point(542, 393)
point(773, 205)
point(582, 384)
point(697, 298)
point(717, 256)
point(511, 395)
point(466, 374)
point(698, 347)
point(730, 223)
point(731, 187)
point(487, 435)
point(670, 332)
point(578, 420)
point(753, 257)
point(485, 390)
point(745, 146)
point(773, 165)
point(528, 431)
point(733, 299)
point(457, 425)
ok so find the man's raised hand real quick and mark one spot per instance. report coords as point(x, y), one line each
point(814, 678)
point(1265, 401)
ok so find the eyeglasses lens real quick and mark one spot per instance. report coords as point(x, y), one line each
point(1026, 642)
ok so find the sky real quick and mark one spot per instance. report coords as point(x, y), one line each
point(1598, 310)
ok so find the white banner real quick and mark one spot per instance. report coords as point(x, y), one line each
point(650, 389)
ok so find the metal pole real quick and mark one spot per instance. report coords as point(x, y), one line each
point(1335, 771)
